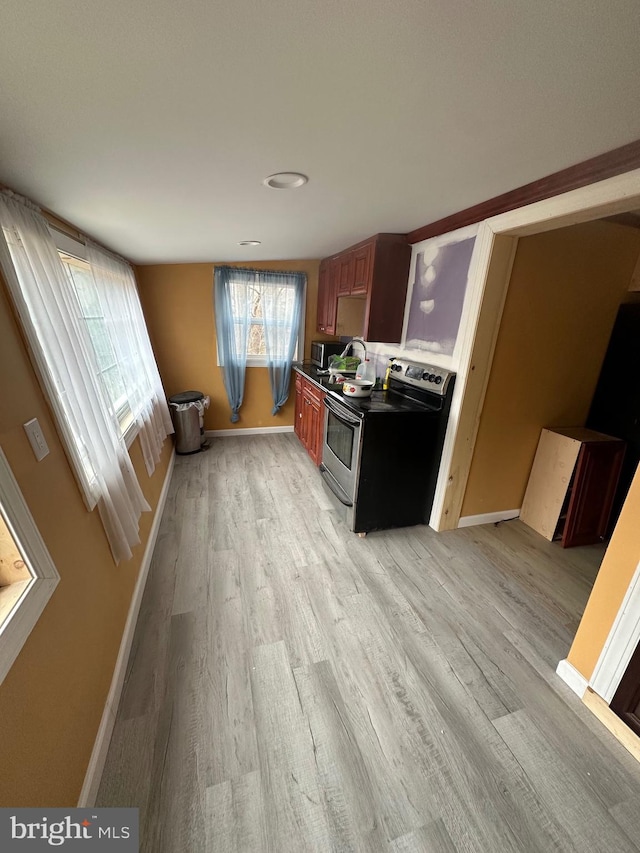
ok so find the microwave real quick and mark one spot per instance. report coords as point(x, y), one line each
point(321, 351)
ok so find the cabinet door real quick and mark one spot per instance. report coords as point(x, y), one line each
point(345, 280)
point(362, 269)
point(307, 420)
point(316, 413)
point(333, 275)
point(378, 272)
point(298, 415)
point(323, 302)
point(596, 478)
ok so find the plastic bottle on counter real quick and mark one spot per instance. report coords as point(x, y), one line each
point(365, 371)
point(385, 384)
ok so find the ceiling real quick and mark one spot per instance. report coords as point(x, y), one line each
point(151, 124)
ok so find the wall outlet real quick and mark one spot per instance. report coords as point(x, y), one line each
point(36, 438)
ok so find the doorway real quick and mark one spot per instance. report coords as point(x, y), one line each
point(605, 640)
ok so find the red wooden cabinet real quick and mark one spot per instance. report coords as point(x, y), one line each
point(309, 417)
point(572, 484)
point(592, 492)
point(362, 266)
point(298, 426)
point(327, 296)
point(345, 277)
point(375, 271)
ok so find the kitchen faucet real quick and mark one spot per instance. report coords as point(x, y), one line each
point(350, 345)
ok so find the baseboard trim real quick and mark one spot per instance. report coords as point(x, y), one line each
point(216, 433)
point(572, 678)
point(93, 776)
point(488, 517)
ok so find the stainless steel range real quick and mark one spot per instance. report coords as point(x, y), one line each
point(381, 455)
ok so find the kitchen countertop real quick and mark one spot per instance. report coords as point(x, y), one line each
point(380, 401)
point(310, 371)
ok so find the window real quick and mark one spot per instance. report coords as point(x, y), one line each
point(259, 316)
point(256, 344)
point(28, 576)
point(88, 352)
point(92, 314)
point(281, 297)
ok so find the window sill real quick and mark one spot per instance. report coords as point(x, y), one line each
point(129, 430)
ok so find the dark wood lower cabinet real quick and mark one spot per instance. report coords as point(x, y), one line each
point(596, 477)
point(309, 417)
point(572, 484)
point(626, 702)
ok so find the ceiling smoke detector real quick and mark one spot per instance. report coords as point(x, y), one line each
point(285, 180)
point(249, 242)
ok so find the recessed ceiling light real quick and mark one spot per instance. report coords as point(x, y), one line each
point(249, 243)
point(285, 181)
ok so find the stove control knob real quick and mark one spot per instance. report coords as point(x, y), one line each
point(438, 380)
point(432, 377)
point(396, 367)
point(425, 376)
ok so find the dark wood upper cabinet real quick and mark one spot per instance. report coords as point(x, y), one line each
point(362, 261)
point(327, 287)
point(345, 278)
point(375, 271)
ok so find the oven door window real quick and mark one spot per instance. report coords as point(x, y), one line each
point(340, 439)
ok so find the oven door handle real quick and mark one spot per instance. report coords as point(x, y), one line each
point(335, 486)
point(340, 412)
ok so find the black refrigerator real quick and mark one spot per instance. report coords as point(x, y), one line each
point(615, 409)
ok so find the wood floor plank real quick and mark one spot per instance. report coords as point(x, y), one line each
point(235, 817)
point(627, 816)
point(346, 786)
point(127, 772)
point(227, 746)
point(296, 818)
point(432, 838)
point(175, 786)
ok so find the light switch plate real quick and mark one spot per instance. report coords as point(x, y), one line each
point(36, 438)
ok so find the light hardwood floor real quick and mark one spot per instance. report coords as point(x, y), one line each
point(295, 688)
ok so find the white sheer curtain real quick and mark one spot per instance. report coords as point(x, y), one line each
point(116, 286)
point(50, 314)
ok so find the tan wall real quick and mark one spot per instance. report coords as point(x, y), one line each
point(178, 304)
point(52, 699)
point(617, 569)
point(564, 293)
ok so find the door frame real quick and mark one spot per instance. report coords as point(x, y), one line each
point(489, 277)
point(621, 643)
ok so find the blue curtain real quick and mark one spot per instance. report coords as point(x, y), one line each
point(232, 302)
point(273, 300)
point(282, 301)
